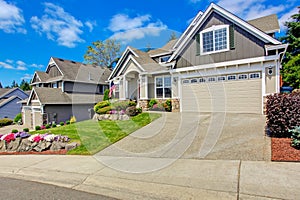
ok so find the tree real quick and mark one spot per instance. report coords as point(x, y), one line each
point(102, 53)
point(14, 84)
point(291, 62)
point(172, 36)
point(1, 85)
point(25, 85)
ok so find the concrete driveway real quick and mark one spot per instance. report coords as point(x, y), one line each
point(209, 136)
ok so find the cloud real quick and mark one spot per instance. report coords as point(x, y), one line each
point(18, 65)
point(90, 25)
point(58, 26)
point(286, 17)
point(126, 29)
point(27, 77)
point(11, 18)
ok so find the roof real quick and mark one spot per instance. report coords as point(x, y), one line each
point(4, 91)
point(267, 24)
point(6, 101)
point(188, 35)
point(167, 48)
point(43, 76)
point(79, 72)
point(56, 96)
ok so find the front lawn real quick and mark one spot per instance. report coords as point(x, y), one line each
point(95, 136)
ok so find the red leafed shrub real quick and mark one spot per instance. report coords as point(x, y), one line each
point(283, 113)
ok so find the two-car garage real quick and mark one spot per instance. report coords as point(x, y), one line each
point(238, 93)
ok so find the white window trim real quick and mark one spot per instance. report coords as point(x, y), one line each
point(163, 86)
point(254, 77)
point(242, 75)
point(231, 79)
point(221, 77)
point(213, 29)
point(163, 57)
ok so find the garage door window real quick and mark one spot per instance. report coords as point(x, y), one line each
point(194, 80)
point(211, 79)
point(163, 87)
point(231, 77)
point(243, 76)
point(201, 80)
point(254, 75)
point(222, 78)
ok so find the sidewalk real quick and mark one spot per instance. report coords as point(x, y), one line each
point(165, 178)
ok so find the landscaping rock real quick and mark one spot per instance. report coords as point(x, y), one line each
point(2, 146)
point(13, 145)
point(112, 117)
point(25, 145)
point(42, 146)
point(57, 146)
point(71, 146)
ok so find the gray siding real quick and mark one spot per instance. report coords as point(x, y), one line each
point(11, 109)
point(83, 88)
point(246, 46)
point(64, 112)
point(54, 72)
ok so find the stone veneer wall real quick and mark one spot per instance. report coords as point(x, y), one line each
point(175, 104)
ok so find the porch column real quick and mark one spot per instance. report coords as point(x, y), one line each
point(143, 87)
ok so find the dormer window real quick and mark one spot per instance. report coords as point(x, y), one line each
point(164, 59)
point(214, 39)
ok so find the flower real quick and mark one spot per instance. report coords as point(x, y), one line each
point(43, 127)
point(35, 138)
point(8, 137)
point(122, 112)
point(24, 135)
point(49, 137)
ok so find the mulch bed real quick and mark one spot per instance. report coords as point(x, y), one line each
point(282, 150)
point(48, 152)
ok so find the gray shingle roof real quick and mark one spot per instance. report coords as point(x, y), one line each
point(56, 96)
point(5, 101)
point(76, 71)
point(4, 91)
point(165, 49)
point(42, 75)
point(267, 24)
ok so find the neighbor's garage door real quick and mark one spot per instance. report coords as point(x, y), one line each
point(235, 93)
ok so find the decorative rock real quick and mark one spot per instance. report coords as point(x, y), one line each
point(2, 146)
point(71, 146)
point(25, 146)
point(57, 146)
point(13, 145)
point(112, 117)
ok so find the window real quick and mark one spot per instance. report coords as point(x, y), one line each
point(254, 75)
point(231, 77)
point(202, 80)
point(164, 59)
point(163, 87)
point(211, 79)
point(243, 76)
point(186, 81)
point(221, 78)
point(194, 80)
point(215, 39)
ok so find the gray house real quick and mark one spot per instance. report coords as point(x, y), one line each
point(221, 63)
point(67, 88)
point(10, 104)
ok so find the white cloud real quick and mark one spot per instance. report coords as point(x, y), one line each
point(27, 77)
point(90, 25)
point(58, 25)
point(21, 68)
point(9, 61)
point(127, 29)
point(37, 66)
point(11, 18)
point(18, 65)
point(286, 17)
point(6, 65)
point(195, 1)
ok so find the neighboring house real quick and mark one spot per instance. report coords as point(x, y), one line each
point(221, 63)
point(65, 89)
point(10, 104)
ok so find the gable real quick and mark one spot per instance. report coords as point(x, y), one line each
point(241, 44)
point(53, 71)
point(15, 92)
point(35, 79)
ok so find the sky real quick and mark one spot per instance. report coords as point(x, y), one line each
point(32, 31)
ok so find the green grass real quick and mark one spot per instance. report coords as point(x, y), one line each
point(94, 136)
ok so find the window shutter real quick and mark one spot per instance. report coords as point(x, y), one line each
point(197, 44)
point(231, 37)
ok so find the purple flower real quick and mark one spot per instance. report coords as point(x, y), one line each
point(24, 135)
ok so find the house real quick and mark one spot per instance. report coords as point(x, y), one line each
point(221, 63)
point(67, 88)
point(10, 104)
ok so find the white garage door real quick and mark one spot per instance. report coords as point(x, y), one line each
point(237, 94)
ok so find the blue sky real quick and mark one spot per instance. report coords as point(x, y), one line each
point(33, 31)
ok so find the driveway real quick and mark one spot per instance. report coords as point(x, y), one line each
point(208, 136)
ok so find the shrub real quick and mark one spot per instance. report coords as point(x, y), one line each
point(168, 105)
point(53, 125)
point(131, 103)
point(72, 120)
point(48, 126)
point(61, 123)
point(131, 111)
point(106, 95)
point(104, 110)
point(139, 110)
point(5, 122)
point(100, 105)
point(283, 113)
point(37, 128)
point(18, 117)
point(14, 131)
point(295, 137)
point(43, 127)
point(152, 102)
point(26, 130)
point(68, 122)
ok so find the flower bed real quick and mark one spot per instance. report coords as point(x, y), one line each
point(283, 151)
point(24, 142)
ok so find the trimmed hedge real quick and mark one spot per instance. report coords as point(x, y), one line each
point(100, 105)
point(283, 114)
point(104, 110)
point(5, 122)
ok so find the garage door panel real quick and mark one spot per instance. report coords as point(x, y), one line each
point(235, 96)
